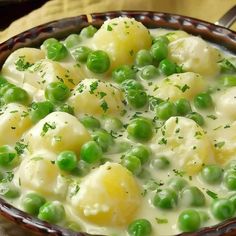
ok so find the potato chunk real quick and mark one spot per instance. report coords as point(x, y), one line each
point(195, 55)
point(93, 96)
point(109, 196)
point(184, 85)
point(185, 142)
point(14, 121)
point(122, 38)
point(59, 131)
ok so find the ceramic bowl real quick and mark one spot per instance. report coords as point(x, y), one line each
point(62, 28)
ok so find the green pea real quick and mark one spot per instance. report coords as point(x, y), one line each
point(160, 163)
point(81, 53)
point(39, 110)
point(66, 160)
point(90, 152)
point(103, 139)
point(131, 84)
point(203, 101)
point(165, 199)
point(57, 92)
point(189, 220)
point(5, 87)
point(8, 190)
point(148, 72)
point(98, 62)
point(159, 51)
point(143, 58)
point(112, 124)
point(49, 41)
point(3, 80)
point(177, 183)
point(167, 67)
point(196, 117)
point(161, 38)
point(226, 66)
point(183, 107)
point(192, 196)
point(31, 202)
point(230, 179)
point(142, 152)
point(132, 163)
point(16, 94)
point(231, 165)
point(140, 227)
point(65, 108)
point(90, 122)
point(7, 154)
point(140, 129)
point(72, 41)
point(88, 32)
point(212, 174)
point(120, 147)
point(123, 73)
point(137, 98)
point(56, 51)
point(165, 110)
point(228, 80)
point(232, 198)
point(154, 102)
point(52, 212)
point(222, 209)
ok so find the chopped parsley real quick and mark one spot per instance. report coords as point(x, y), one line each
point(93, 87)
point(109, 28)
point(213, 117)
point(212, 194)
point(47, 126)
point(20, 147)
point(219, 144)
point(104, 106)
point(161, 220)
point(21, 64)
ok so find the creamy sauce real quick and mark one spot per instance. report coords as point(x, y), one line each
point(218, 123)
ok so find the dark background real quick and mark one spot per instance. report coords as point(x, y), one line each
point(10, 10)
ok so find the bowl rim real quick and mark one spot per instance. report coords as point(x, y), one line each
point(64, 26)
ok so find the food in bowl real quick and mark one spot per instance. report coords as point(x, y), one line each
point(120, 131)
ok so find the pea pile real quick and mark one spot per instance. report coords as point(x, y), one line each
point(161, 144)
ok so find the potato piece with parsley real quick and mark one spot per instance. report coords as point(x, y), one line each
point(183, 85)
point(93, 96)
point(14, 121)
point(109, 196)
point(196, 55)
point(185, 141)
point(122, 38)
point(39, 173)
point(59, 131)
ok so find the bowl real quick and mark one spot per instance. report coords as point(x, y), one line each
point(62, 28)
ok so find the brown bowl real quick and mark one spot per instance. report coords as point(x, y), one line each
point(60, 29)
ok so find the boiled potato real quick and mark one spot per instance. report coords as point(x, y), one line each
point(183, 140)
point(196, 55)
point(93, 96)
point(224, 140)
point(39, 173)
point(184, 85)
point(59, 131)
point(226, 103)
point(122, 38)
point(109, 196)
point(14, 121)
